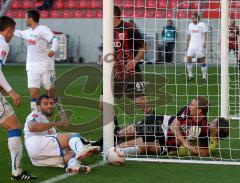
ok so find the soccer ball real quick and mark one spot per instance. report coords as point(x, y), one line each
point(115, 156)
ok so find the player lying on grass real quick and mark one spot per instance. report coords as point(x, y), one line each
point(45, 147)
point(218, 130)
point(8, 119)
point(189, 129)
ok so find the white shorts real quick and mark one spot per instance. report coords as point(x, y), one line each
point(44, 151)
point(196, 52)
point(6, 109)
point(45, 78)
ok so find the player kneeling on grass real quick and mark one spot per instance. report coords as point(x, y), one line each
point(45, 147)
point(171, 132)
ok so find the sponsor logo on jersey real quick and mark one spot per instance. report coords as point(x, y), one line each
point(3, 54)
point(34, 115)
point(31, 42)
point(195, 30)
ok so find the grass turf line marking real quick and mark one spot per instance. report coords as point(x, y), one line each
point(66, 175)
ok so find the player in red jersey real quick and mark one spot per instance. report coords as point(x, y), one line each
point(233, 39)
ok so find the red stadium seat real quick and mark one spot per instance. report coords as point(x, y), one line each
point(194, 5)
point(237, 5)
point(37, 3)
point(59, 4)
point(139, 13)
point(71, 4)
point(118, 2)
point(67, 14)
point(235, 15)
point(139, 3)
point(160, 14)
point(169, 14)
point(10, 13)
point(55, 14)
point(181, 14)
point(162, 4)
point(93, 4)
point(16, 4)
point(212, 14)
point(149, 13)
point(212, 5)
point(183, 5)
point(27, 4)
point(44, 14)
point(99, 13)
point(128, 4)
point(20, 14)
point(151, 4)
point(172, 4)
point(128, 13)
point(78, 14)
point(82, 4)
point(90, 14)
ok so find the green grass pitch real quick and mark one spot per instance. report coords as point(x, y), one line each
point(80, 86)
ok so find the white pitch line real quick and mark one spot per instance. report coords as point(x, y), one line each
point(66, 175)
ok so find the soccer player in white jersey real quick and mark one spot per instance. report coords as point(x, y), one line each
point(196, 45)
point(55, 149)
point(40, 64)
point(8, 119)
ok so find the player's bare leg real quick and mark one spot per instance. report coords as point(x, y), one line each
point(34, 93)
point(203, 68)
point(189, 68)
point(134, 142)
point(12, 125)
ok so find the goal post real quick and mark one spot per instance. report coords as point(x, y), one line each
point(108, 62)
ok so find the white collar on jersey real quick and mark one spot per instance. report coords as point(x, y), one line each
point(2, 37)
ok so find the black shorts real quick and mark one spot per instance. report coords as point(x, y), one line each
point(151, 130)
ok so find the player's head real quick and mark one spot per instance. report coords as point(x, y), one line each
point(198, 106)
point(169, 23)
point(117, 12)
point(32, 16)
point(195, 18)
point(219, 128)
point(7, 27)
point(45, 105)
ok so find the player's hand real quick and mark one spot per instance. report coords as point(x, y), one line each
point(15, 97)
point(51, 53)
point(130, 65)
point(193, 149)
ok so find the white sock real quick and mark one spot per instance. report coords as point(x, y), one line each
point(204, 70)
point(189, 69)
point(73, 162)
point(131, 150)
point(15, 148)
point(75, 143)
point(33, 104)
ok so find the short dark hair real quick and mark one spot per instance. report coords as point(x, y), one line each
point(223, 126)
point(6, 22)
point(34, 14)
point(202, 104)
point(39, 99)
point(196, 15)
point(117, 11)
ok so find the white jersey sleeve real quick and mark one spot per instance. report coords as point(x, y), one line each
point(204, 28)
point(48, 35)
point(3, 83)
point(23, 34)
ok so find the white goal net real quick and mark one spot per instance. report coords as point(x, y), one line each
point(173, 73)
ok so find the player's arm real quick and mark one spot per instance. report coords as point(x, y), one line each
point(205, 30)
point(175, 129)
point(21, 34)
point(48, 35)
point(40, 127)
point(188, 37)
